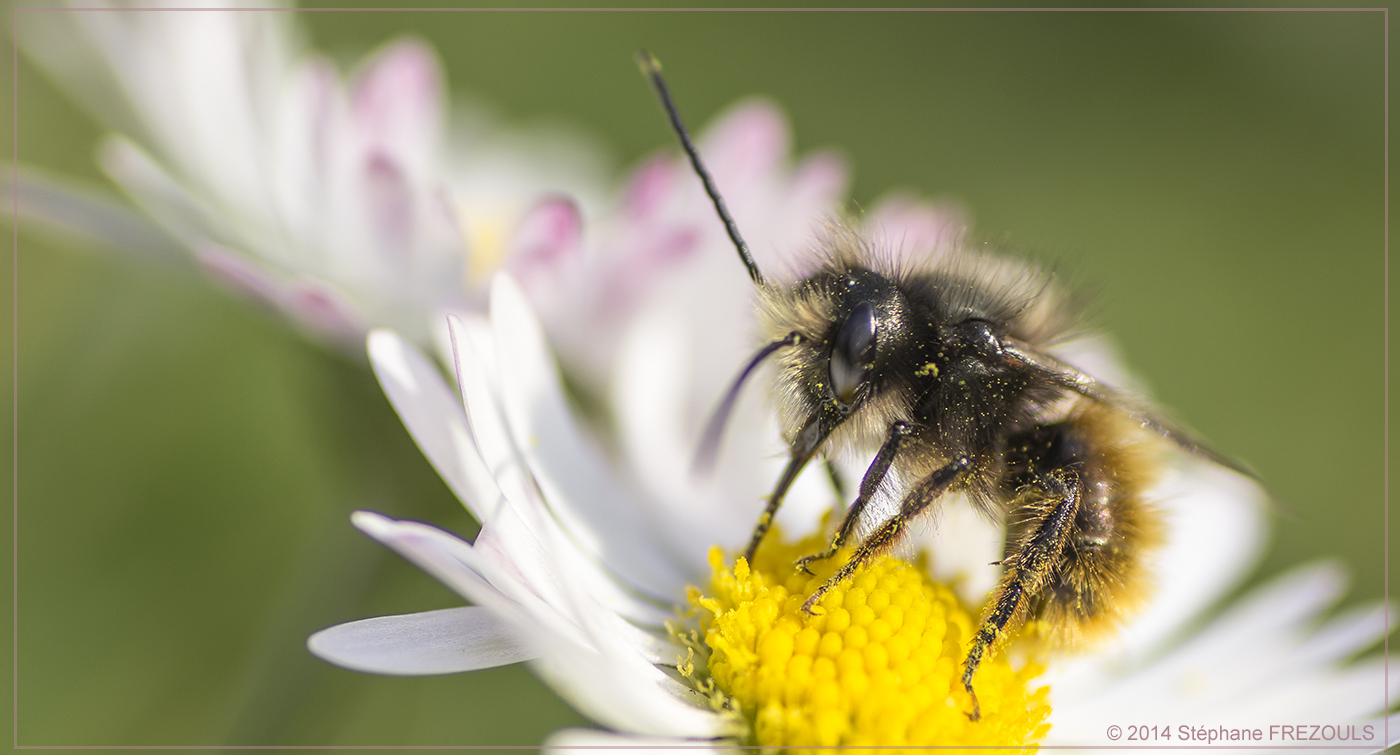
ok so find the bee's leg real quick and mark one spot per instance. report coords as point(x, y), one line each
point(868, 485)
point(790, 472)
point(804, 446)
point(1029, 566)
point(914, 503)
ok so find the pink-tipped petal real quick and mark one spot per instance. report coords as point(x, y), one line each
point(324, 310)
point(649, 186)
point(398, 97)
point(549, 234)
point(389, 205)
point(241, 274)
point(630, 278)
point(821, 180)
point(747, 142)
point(913, 228)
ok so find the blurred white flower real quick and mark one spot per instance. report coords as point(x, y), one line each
point(344, 205)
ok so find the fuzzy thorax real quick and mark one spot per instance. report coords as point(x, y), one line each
point(919, 301)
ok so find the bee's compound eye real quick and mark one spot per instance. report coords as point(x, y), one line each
point(854, 352)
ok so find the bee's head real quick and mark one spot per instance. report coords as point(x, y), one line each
point(852, 330)
point(865, 324)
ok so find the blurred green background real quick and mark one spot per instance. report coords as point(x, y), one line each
point(186, 464)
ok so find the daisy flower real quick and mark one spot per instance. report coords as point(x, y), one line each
point(342, 204)
point(603, 561)
point(592, 582)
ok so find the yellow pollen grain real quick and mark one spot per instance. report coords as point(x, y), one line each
point(880, 665)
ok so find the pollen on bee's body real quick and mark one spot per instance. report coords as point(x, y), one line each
point(880, 664)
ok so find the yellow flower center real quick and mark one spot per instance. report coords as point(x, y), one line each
point(880, 663)
point(485, 235)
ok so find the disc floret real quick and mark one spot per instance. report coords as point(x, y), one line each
point(878, 664)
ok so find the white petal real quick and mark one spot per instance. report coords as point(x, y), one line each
point(1243, 669)
point(434, 642)
point(428, 408)
point(963, 547)
point(599, 662)
point(619, 687)
point(453, 563)
point(601, 518)
point(610, 674)
point(600, 673)
point(482, 576)
point(659, 435)
point(509, 543)
point(482, 581)
point(474, 356)
point(612, 683)
point(302, 141)
point(173, 205)
point(1319, 695)
point(592, 740)
point(205, 111)
point(652, 385)
point(591, 683)
point(441, 556)
point(96, 216)
point(1280, 607)
point(1215, 533)
point(1348, 633)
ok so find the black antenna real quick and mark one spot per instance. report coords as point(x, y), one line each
point(709, 443)
point(651, 68)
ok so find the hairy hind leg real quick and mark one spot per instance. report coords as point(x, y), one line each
point(1049, 509)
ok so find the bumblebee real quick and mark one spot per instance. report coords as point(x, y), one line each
point(941, 367)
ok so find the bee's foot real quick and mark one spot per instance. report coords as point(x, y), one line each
point(810, 606)
point(801, 563)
